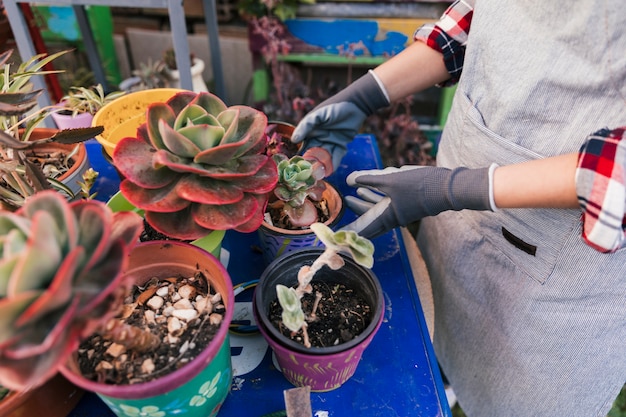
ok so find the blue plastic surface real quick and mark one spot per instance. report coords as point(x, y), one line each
point(398, 374)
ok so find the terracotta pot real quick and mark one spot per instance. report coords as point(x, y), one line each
point(321, 368)
point(198, 388)
point(74, 175)
point(276, 241)
point(55, 398)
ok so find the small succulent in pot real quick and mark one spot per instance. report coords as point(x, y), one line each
point(300, 185)
point(343, 241)
point(60, 279)
point(197, 165)
point(87, 99)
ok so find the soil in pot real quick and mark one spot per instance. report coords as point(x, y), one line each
point(340, 315)
point(181, 313)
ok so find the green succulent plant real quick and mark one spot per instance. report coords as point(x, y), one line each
point(342, 241)
point(300, 184)
point(60, 279)
point(197, 165)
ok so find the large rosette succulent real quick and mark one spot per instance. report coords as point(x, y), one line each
point(197, 165)
point(60, 278)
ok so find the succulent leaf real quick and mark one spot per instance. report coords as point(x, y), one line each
point(228, 216)
point(204, 153)
point(292, 315)
point(62, 275)
point(207, 190)
point(158, 200)
point(347, 241)
point(137, 164)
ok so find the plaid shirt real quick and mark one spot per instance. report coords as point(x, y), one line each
point(601, 171)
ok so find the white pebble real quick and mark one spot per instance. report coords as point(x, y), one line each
point(185, 314)
point(173, 325)
point(147, 366)
point(187, 291)
point(155, 302)
point(215, 318)
point(162, 291)
point(183, 304)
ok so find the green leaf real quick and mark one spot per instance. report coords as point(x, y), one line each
point(293, 316)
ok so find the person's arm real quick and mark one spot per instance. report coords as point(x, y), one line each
point(414, 69)
point(541, 183)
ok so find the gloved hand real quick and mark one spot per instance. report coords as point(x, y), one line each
point(334, 122)
point(411, 193)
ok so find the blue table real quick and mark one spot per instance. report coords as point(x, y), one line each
point(398, 374)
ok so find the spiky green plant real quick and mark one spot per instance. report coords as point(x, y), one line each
point(60, 279)
point(342, 241)
point(19, 177)
point(197, 165)
point(300, 184)
point(88, 100)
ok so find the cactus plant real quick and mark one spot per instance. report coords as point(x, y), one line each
point(197, 165)
point(60, 278)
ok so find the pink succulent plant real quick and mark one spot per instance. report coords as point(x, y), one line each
point(300, 184)
point(197, 165)
point(60, 278)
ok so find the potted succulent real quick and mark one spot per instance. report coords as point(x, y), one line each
point(319, 308)
point(77, 108)
point(197, 166)
point(62, 264)
point(34, 158)
point(301, 197)
point(184, 296)
point(149, 75)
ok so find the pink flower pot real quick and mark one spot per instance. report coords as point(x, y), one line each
point(321, 368)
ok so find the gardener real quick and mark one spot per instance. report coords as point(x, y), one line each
point(530, 317)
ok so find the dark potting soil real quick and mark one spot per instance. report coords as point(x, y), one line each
point(341, 315)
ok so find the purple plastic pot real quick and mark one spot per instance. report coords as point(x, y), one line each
point(326, 368)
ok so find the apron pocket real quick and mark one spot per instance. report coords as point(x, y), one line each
point(531, 238)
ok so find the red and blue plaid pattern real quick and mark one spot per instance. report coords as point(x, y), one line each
point(601, 172)
point(601, 189)
point(449, 36)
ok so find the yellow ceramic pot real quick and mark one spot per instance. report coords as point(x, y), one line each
point(123, 116)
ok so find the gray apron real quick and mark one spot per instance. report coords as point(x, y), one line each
point(529, 320)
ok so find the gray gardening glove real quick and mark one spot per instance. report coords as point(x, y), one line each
point(334, 122)
point(411, 193)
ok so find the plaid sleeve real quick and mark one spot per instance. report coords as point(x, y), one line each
point(449, 36)
point(601, 189)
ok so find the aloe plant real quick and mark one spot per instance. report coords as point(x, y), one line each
point(59, 280)
point(197, 165)
point(300, 184)
point(342, 241)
